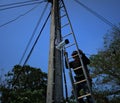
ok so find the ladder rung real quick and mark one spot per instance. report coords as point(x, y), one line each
point(63, 16)
point(67, 35)
point(73, 56)
point(88, 94)
point(80, 81)
point(70, 45)
point(77, 68)
point(60, 3)
point(61, 6)
point(65, 25)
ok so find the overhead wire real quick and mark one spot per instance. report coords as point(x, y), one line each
point(31, 49)
point(44, 10)
point(36, 41)
point(98, 15)
point(21, 15)
point(16, 3)
point(21, 5)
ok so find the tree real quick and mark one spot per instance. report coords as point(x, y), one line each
point(106, 67)
point(24, 85)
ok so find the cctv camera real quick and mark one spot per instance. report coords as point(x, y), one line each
point(62, 44)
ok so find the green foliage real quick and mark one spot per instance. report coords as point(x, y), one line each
point(24, 85)
point(105, 67)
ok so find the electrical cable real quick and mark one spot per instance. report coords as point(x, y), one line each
point(36, 41)
point(64, 76)
point(98, 15)
point(18, 17)
point(31, 49)
point(21, 5)
point(17, 3)
point(33, 33)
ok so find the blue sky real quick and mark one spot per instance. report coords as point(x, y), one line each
point(88, 29)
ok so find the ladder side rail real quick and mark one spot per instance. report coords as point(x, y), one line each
point(76, 45)
point(70, 71)
point(83, 67)
point(70, 25)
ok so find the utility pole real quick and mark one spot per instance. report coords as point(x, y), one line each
point(54, 85)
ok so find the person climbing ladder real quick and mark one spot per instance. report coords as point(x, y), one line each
point(79, 75)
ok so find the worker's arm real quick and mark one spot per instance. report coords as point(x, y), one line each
point(85, 59)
